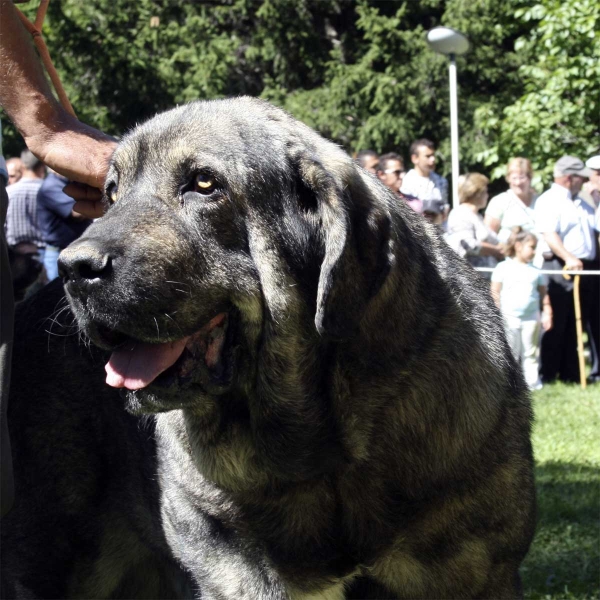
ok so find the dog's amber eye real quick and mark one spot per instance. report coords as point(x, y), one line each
point(205, 184)
point(111, 192)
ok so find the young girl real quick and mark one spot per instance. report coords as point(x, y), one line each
point(519, 289)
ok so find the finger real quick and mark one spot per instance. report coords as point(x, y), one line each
point(88, 200)
point(89, 208)
point(81, 191)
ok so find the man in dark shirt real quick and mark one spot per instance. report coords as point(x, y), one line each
point(59, 223)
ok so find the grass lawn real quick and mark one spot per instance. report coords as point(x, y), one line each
point(564, 559)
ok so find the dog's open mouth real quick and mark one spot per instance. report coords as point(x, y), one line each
point(135, 364)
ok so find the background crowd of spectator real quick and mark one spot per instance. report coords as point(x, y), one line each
point(512, 239)
point(40, 221)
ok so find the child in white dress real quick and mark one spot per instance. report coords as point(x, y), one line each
point(519, 290)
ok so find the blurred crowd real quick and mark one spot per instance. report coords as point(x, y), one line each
point(512, 239)
point(40, 222)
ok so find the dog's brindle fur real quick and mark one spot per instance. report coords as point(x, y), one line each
point(373, 437)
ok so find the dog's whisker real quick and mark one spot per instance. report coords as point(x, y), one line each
point(84, 340)
point(58, 311)
point(157, 329)
point(188, 291)
point(53, 319)
point(54, 334)
point(174, 321)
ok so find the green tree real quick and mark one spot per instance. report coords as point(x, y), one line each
point(359, 71)
point(559, 110)
point(121, 61)
point(391, 88)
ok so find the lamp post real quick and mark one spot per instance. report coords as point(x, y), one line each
point(452, 43)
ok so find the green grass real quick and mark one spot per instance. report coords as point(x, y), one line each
point(564, 559)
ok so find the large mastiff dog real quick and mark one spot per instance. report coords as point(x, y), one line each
point(320, 399)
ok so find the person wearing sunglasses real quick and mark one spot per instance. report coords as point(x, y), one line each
point(391, 172)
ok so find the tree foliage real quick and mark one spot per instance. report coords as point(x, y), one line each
point(559, 109)
point(359, 71)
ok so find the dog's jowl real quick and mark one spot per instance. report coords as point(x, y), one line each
point(294, 389)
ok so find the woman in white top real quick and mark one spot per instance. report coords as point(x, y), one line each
point(467, 233)
point(513, 208)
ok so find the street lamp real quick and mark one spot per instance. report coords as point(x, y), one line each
point(452, 43)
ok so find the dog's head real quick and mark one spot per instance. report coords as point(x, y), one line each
point(234, 235)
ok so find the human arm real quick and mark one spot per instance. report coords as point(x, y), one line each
point(555, 244)
point(471, 233)
point(492, 223)
point(494, 250)
point(547, 319)
point(68, 146)
point(494, 213)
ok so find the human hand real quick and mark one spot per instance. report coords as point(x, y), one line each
point(572, 263)
point(88, 200)
point(75, 150)
point(547, 320)
point(499, 252)
point(80, 153)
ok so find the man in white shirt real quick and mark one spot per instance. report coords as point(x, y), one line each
point(591, 189)
point(569, 228)
point(422, 181)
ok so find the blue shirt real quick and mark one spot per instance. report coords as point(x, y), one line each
point(58, 226)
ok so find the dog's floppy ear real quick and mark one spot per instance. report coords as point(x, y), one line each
point(356, 232)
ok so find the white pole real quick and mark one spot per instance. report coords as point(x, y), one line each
point(454, 129)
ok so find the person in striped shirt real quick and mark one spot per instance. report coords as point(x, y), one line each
point(23, 233)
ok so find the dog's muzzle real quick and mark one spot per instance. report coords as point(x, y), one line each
point(83, 264)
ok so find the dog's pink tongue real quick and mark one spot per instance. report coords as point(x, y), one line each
point(135, 367)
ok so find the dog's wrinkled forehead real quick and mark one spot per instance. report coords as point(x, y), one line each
point(239, 137)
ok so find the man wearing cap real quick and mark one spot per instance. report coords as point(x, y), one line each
point(570, 229)
point(591, 189)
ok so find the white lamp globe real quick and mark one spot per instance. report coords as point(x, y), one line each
point(445, 40)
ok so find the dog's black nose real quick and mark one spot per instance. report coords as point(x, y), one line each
point(83, 263)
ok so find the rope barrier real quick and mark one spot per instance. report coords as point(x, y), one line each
point(545, 271)
point(35, 29)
